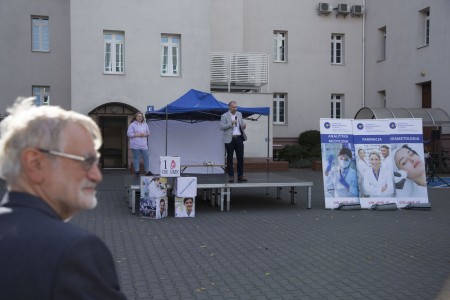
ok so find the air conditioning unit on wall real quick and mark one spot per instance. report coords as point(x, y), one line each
point(343, 9)
point(357, 10)
point(324, 8)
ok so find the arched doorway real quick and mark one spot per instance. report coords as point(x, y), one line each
point(112, 118)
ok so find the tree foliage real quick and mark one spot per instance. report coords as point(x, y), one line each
point(307, 150)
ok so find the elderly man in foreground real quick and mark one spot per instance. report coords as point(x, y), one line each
point(49, 159)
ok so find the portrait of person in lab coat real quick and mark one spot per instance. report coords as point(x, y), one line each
point(157, 187)
point(341, 179)
point(378, 181)
point(361, 167)
point(161, 209)
point(184, 207)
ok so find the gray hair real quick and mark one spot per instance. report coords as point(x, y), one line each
point(28, 126)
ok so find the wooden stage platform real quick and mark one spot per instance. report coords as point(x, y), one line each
point(217, 187)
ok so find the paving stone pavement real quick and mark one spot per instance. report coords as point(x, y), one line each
point(266, 248)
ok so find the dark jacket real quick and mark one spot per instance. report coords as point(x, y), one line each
point(42, 257)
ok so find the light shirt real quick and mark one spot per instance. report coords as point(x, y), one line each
point(236, 130)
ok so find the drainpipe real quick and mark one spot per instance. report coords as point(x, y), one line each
point(363, 55)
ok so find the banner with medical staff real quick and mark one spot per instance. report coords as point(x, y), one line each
point(376, 161)
point(406, 138)
point(338, 162)
point(373, 146)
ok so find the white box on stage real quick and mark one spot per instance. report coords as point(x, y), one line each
point(154, 186)
point(169, 166)
point(153, 199)
point(153, 208)
point(184, 207)
point(186, 187)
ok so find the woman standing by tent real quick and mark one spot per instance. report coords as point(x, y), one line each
point(138, 132)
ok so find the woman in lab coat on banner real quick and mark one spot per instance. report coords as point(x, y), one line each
point(342, 178)
point(361, 167)
point(378, 182)
point(410, 177)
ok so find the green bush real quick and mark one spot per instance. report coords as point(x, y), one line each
point(303, 155)
point(309, 138)
point(291, 153)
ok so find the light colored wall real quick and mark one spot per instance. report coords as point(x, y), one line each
point(20, 68)
point(400, 73)
point(308, 77)
point(143, 22)
point(74, 67)
point(227, 23)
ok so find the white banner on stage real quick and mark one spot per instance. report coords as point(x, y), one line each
point(406, 139)
point(374, 162)
point(338, 162)
point(195, 144)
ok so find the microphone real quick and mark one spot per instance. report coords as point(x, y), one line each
point(235, 119)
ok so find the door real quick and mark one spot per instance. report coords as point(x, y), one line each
point(114, 148)
point(426, 95)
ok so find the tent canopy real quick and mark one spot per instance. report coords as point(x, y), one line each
point(197, 106)
point(431, 117)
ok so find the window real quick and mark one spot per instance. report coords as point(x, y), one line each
point(114, 52)
point(42, 94)
point(280, 41)
point(382, 97)
point(336, 106)
point(337, 49)
point(170, 55)
point(39, 34)
point(424, 27)
point(382, 42)
point(279, 108)
point(427, 27)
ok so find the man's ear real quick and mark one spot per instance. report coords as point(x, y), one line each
point(33, 165)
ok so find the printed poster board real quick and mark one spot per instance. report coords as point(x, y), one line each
point(338, 162)
point(153, 198)
point(373, 146)
point(408, 156)
point(184, 207)
point(169, 166)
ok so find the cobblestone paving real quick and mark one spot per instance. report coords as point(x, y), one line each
point(266, 248)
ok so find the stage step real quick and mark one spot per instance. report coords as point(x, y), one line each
point(252, 164)
point(261, 164)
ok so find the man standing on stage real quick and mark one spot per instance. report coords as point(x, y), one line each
point(233, 127)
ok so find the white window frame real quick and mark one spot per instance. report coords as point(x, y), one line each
point(170, 55)
point(114, 52)
point(40, 34)
point(424, 27)
point(337, 49)
point(382, 95)
point(42, 94)
point(382, 38)
point(280, 46)
point(427, 27)
point(337, 106)
point(279, 108)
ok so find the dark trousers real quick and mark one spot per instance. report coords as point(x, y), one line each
point(236, 145)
